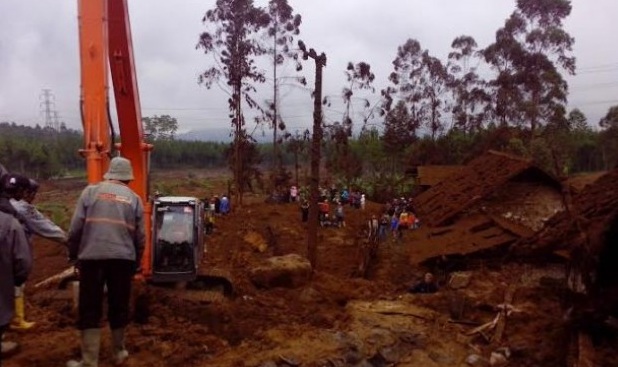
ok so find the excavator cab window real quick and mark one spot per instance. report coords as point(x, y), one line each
point(175, 234)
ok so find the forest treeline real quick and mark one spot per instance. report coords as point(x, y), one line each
point(44, 152)
point(374, 155)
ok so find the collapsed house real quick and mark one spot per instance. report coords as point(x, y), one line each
point(586, 234)
point(492, 202)
point(426, 177)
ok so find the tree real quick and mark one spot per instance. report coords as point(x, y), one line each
point(162, 127)
point(609, 137)
point(358, 77)
point(527, 55)
point(399, 133)
point(470, 100)
point(251, 159)
point(610, 120)
point(284, 25)
point(406, 80)
point(577, 120)
point(234, 47)
point(297, 145)
point(371, 150)
point(434, 83)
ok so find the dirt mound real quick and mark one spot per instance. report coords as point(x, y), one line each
point(334, 320)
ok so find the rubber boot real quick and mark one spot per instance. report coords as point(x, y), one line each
point(91, 339)
point(19, 320)
point(120, 352)
point(8, 349)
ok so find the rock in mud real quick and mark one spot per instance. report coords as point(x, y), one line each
point(475, 360)
point(459, 280)
point(379, 336)
point(391, 354)
point(256, 241)
point(498, 359)
point(366, 363)
point(9, 348)
point(289, 271)
point(309, 295)
point(441, 358)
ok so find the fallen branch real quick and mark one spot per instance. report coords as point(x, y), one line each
point(404, 314)
point(487, 326)
point(585, 351)
point(505, 310)
point(463, 322)
point(64, 274)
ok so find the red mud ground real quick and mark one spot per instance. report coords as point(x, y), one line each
point(335, 320)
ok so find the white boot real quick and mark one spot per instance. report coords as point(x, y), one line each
point(120, 352)
point(91, 339)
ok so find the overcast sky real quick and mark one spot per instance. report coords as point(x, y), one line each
point(39, 50)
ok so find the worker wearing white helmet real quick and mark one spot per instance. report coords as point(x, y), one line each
point(106, 239)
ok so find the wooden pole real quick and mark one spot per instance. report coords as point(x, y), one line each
point(316, 141)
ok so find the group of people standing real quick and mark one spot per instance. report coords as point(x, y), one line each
point(331, 203)
point(398, 215)
point(105, 243)
point(215, 207)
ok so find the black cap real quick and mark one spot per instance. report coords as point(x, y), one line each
point(12, 182)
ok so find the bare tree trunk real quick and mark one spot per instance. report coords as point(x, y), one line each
point(237, 148)
point(275, 110)
point(296, 166)
point(312, 242)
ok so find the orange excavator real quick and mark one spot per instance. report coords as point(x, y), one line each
point(174, 225)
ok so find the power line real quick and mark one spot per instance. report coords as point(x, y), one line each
point(600, 66)
point(597, 71)
point(589, 103)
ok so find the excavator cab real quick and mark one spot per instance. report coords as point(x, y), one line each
point(177, 238)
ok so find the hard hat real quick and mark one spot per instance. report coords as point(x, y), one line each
point(119, 169)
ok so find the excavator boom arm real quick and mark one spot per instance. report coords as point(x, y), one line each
point(105, 40)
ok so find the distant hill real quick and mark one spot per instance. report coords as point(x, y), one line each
point(219, 135)
point(223, 135)
point(213, 134)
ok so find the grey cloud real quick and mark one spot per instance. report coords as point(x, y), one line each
point(39, 49)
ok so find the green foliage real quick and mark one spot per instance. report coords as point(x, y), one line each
point(178, 153)
point(162, 127)
point(39, 152)
point(44, 153)
point(610, 120)
point(542, 154)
